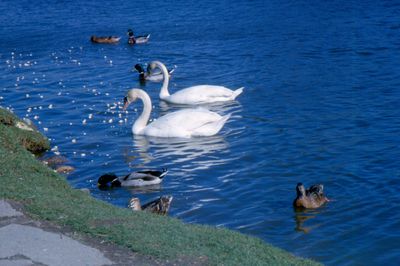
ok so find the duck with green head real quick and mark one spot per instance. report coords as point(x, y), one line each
point(132, 39)
point(134, 179)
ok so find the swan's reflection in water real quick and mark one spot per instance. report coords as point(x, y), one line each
point(186, 154)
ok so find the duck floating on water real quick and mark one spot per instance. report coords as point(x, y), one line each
point(149, 75)
point(137, 39)
point(311, 198)
point(159, 206)
point(135, 179)
point(109, 39)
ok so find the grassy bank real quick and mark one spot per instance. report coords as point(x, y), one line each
point(32, 140)
point(46, 195)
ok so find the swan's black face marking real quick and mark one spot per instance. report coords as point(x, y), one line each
point(126, 103)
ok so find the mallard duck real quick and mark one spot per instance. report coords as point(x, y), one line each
point(311, 198)
point(137, 39)
point(135, 179)
point(150, 75)
point(109, 39)
point(158, 206)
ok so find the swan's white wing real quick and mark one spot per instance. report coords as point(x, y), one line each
point(211, 128)
point(201, 94)
point(185, 123)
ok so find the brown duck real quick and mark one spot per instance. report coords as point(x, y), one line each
point(109, 39)
point(311, 198)
point(158, 206)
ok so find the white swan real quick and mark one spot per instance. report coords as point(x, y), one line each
point(184, 123)
point(196, 94)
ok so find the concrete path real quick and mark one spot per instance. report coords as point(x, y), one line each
point(24, 241)
point(46, 248)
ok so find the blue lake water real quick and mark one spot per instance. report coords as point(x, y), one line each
point(321, 105)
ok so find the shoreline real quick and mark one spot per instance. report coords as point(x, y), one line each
point(46, 196)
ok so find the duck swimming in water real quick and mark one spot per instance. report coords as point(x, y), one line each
point(158, 206)
point(135, 179)
point(137, 39)
point(109, 39)
point(311, 198)
point(149, 75)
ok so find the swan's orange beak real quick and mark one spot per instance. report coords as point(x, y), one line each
point(126, 103)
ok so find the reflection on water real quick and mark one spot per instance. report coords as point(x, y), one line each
point(302, 215)
point(180, 151)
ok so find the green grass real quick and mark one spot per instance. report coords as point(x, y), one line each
point(33, 141)
point(47, 196)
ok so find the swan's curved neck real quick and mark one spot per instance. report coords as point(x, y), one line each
point(141, 122)
point(164, 89)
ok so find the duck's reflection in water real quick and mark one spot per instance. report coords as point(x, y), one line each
point(301, 216)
